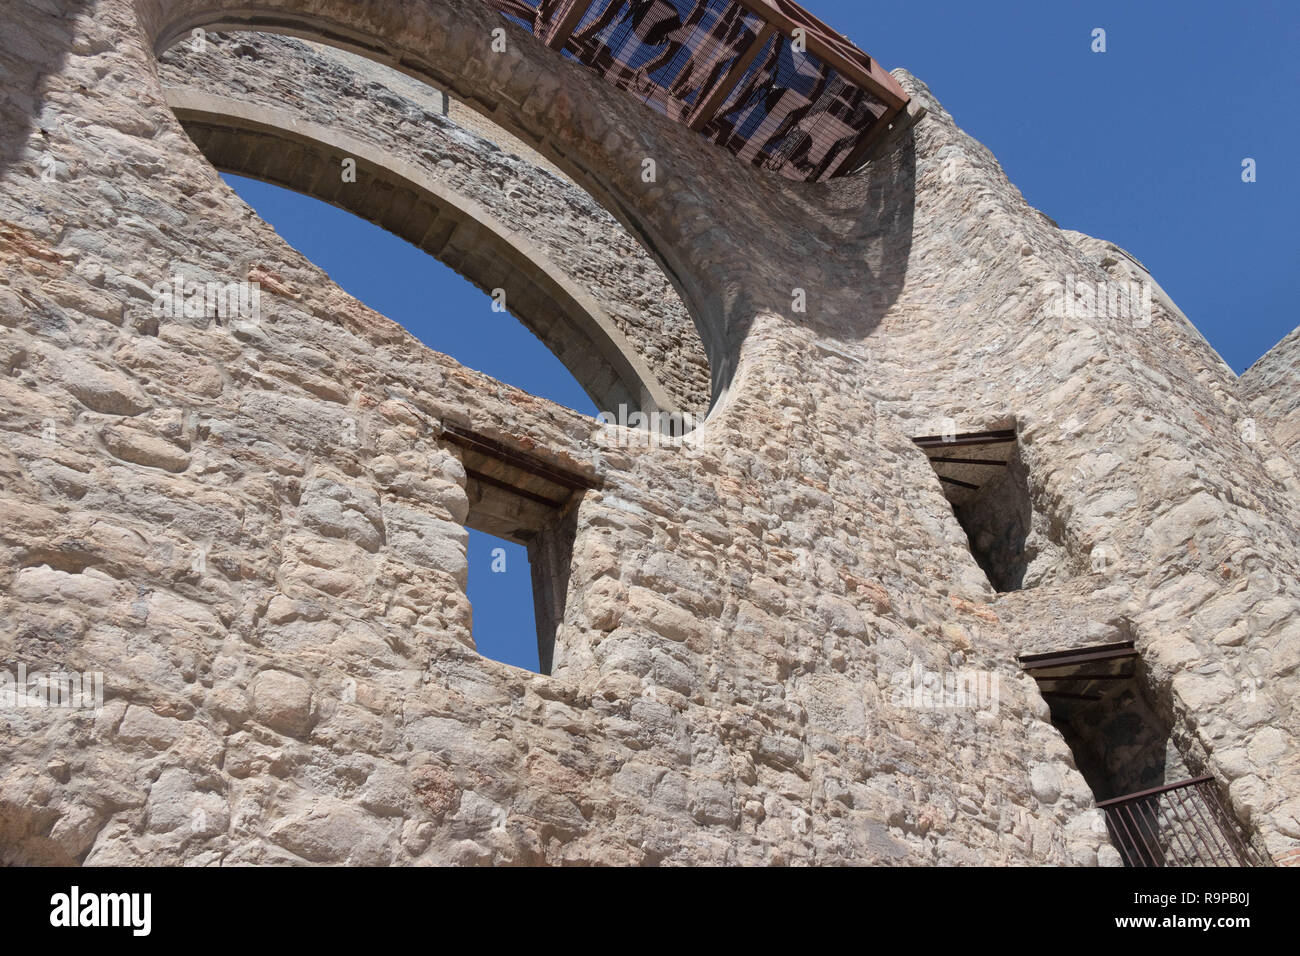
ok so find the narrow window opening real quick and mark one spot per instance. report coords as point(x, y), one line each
point(501, 589)
point(532, 503)
point(987, 484)
point(1159, 810)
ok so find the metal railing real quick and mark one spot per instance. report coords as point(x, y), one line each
point(764, 79)
point(1179, 824)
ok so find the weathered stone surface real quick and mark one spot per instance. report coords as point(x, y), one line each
point(282, 623)
point(337, 510)
point(102, 390)
point(1272, 388)
point(142, 448)
point(282, 702)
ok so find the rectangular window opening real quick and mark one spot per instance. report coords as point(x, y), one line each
point(501, 594)
point(1159, 810)
point(522, 521)
point(987, 485)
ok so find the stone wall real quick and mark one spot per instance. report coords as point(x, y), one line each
point(1271, 387)
point(253, 529)
point(1011, 542)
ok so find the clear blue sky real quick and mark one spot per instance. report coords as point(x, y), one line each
point(1141, 145)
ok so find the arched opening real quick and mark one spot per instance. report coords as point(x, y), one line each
point(425, 296)
point(371, 140)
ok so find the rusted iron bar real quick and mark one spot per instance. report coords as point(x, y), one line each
point(565, 21)
point(1083, 677)
point(1241, 848)
point(966, 439)
point(708, 109)
point(1128, 840)
point(1209, 825)
point(518, 459)
point(1143, 827)
point(992, 462)
point(1121, 650)
point(958, 482)
point(1181, 830)
point(1184, 819)
point(1128, 798)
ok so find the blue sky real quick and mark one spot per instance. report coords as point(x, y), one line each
point(1141, 145)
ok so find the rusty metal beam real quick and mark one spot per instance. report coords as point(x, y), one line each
point(1085, 678)
point(565, 22)
point(1123, 650)
point(836, 55)
point(832, 48)
point(874, 134)
point(708, 109)
point(960, 484)
point(886, 130)
point(967, 438)
point(517, 458)
point(994, 462)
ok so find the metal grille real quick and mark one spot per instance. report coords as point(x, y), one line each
point(789, 111)
point(1181, 824)
point(667, 53)
point(524, 13)
point(793, 112)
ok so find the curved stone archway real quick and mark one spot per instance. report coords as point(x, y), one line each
point(282, 148)
point(597, 136)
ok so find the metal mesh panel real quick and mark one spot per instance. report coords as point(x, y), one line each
point(790, 112)
point(667, 53)
point(522, 12)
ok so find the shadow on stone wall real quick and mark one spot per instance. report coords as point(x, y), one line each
point(34, 45)
point(1123, 743)
point(849, 257)
point(871, 219)
point(998, 522)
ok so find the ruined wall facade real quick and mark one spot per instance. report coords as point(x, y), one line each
point(253, 530)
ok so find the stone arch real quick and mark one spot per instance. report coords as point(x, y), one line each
point(282, 148)
point(595, 135)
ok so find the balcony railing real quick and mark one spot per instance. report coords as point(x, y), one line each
point(764, 79)
point(1180, 824)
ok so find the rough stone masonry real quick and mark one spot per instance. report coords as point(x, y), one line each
point(254, 529)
